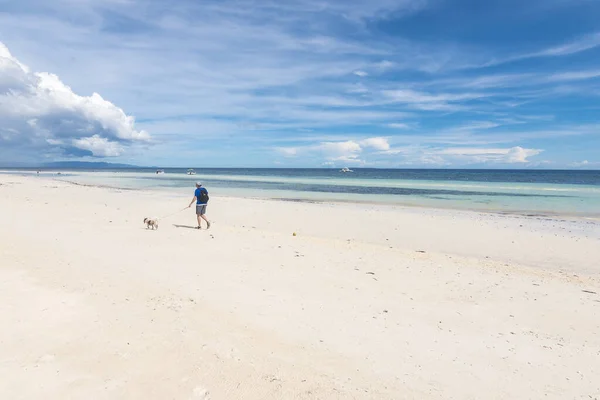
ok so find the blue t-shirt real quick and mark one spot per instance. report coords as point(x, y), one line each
point(197, 193)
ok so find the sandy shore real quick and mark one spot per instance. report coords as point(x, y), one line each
point(366, 302)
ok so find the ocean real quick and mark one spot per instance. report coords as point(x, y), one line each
point(531, 192)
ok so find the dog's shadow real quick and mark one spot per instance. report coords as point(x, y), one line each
point(184, 226)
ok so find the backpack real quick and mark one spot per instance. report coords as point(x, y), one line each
point(203, 196)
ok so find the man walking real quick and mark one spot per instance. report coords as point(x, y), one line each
point(201, 199)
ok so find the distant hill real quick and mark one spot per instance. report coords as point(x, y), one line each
point(87, 165)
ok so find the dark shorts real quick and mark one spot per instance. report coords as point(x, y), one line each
point(200, 209)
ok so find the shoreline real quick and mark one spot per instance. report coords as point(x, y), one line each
point(588, 217)
point(558, 216)
point(421, 201)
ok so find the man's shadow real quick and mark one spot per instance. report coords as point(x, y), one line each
point(184, 226)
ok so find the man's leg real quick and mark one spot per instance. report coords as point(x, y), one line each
point(207, 221)
point(199, 218)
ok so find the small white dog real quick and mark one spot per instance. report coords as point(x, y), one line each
point(151, 223)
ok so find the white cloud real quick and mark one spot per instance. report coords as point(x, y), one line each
point(99, 146)
point(348, 151)
point(431, 102)
point(198, 78)
point(377, 143)
point(413, 96)
point(287, 151)
point(581, 44)
point(511, 155)
point(353, 159)
point(521, 155)
point(398, 125)
point(516, 82)
point(40, 112)
point(406, 150)
point(305, 78)
point(338, 150)
point(575, 75)
point(476, 126)
point(585, 164)
point(460, 156)
point(384, 65)
point(378, 149)
point(358, 88)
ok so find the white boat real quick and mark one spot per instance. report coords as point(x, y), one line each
point(160, 171)
point(345, 169)
point(191, 172)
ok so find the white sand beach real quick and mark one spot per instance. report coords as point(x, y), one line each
point(365, 302)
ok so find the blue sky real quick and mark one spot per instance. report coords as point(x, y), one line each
point(404, 83)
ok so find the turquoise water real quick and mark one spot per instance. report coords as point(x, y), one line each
point(574, 193)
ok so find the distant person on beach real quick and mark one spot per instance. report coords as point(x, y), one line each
point(201, 199)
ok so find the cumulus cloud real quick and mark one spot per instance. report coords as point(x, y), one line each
point(342, 151)
point(520, 155)
point(377, 143)
point(332, 152)
point(40, 114)
point(350, 149)
point(378, 150)
point(99, 146)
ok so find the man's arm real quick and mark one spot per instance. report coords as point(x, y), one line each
point(193, 200)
